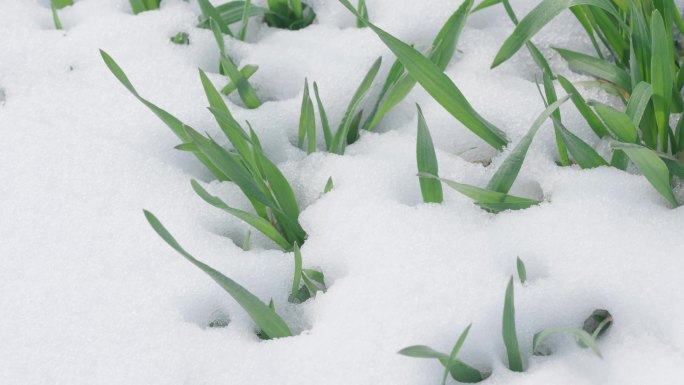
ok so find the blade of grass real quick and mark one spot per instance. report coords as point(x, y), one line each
point(247, 71)
point(427, 162)
point(267, 319)
point(209, 13)
point(296, 281)
point(247, 93)
point(55, 17)
point(651, 166)
point(454, 351)
point(594, 122)
point(363, 10)
point(596, 67)
point(579, 334)
point(638, 102)
point(327, 133)
point(617, 122)
point(522, 271)
point(661, 76)
point(508, 330)
point(245, 20)
point(534, 21)
point(438, 85)
point(583, 154)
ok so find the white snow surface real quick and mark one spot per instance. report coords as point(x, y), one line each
point(89, 294)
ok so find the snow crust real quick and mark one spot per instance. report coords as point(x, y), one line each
point(90, 295)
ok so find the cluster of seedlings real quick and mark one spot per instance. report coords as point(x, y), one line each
point(637, 60)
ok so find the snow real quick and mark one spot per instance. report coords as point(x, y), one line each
point(90, 295)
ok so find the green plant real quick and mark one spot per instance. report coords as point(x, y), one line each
point(306, 282)
point(522, 270)
point(260, 180)
point(459, 370)
point(495, 198)
point(363, 10)
point(431, 189)
point(238, 80)
point(138, 6)
point(594, 326)
point(286, 14)
point(270, 323)
point(643, 70)
point(181, 38)
point(59, 4)
point(348, 129)
point(508, 331)
point(431, 76)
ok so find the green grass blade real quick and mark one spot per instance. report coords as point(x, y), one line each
point(422, 351)
point(55, 17)
point(454, 351)
point(245, 20)
point(583, 154)
point(550, 92)
point(439, 86)
point(307, 121)
point(267, 319)
point(427, 163)
point(280, 187)
point(363, 10)
point(340, 139)
point(176, 126)
point(618, 122)
point(209, 13)
point(652, 167)
point(579, 334)
point(638, 102)
point(443, 48)
point(594, 122)
point(510, 336)
point(327, 133)
point(522, 271)
point(262, 225)
point(59, 4)
point(297, 278)
point(661, 76)
point(296, 8)
point(247, 93)
point(247, 71)
point(534, 21)
point(596, 67)
point(679, 134)
point(485, 4)
point(329, 185)
point(137, 6)
point(508, 171)
point(489, 200)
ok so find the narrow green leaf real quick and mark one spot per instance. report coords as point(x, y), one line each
point(247, 93)
point(327, 133)
point(422, 351)
point(439, 86)
point(263, 316)
point(661, 76)
point(457, 347)
point(296, 281)
point(619, 123)
point(522, 271)
point(653, 168)
point(583, 108)
point(59, 4)
point(503, 179)
point(579, 334)
point(247, 71)
point(328, 186)
point(534, 21)
point(262, 225)
point(55, 17)
point(485, 4)
point(583, 154)
point(596, 67)
point(363, 10)
point(510, 336)
point(427, 163)
point(209, 13)
point(245, 20)
point(638, 101)
point(247, 241)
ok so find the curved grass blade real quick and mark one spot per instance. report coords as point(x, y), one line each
point(580, 335)
point(247, 93)
point(653, 168)
point(597, 323)
point(534, 21)
point(422, 351)
point(262, 225)
point(522, 271)
point(617, 122)
point(245, 20)
point(296, 281)
point(459, 370)
point(508, 171)
point(583, 108)
point(427, 163)
point(267, 320)
point(327, 133)
point(247, 71)
point(508, 331)
point(596, 67)
point(340, 140)
point(583, 154)
point(661, 76)
point(209, 13)
point(638, 102)
point(489, 200)
point(438, 85)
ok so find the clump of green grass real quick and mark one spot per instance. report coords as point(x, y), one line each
point(458, 370)
point(285, 14)
point(138, 6)
point(181, 38)
point(276, 212)
point(643, 70)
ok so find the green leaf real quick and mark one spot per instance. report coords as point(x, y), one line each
point(245, 20)
point(307, 122)
point(638, 101)
point(247, 71)
point(534, 21)
point(59, 4)
point(461, 375)
point(247, 93)
point(653, 168)
point(583, 108)
point(583, 154)
point(296, 281)
point(363, 10)
point(427, 163)
point(210, 13)
point(508, 171)
point(439, 86)
point(661, 76)
point(55, 17)
point(422, 351)
point(262, 225)
point(522, 271)
point(267, 320)
point(176, 126)
point(619, 123)
point(340, 140)
point(579, 334)
point(443, 48)
point(596, 67)
point(232, 12)
point(489, 200)
point(598, 322)
point(328, 186)
point(485, 4)
point(327, 133)
point(508, 331)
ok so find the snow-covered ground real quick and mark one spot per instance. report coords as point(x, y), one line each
point(90, 295)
